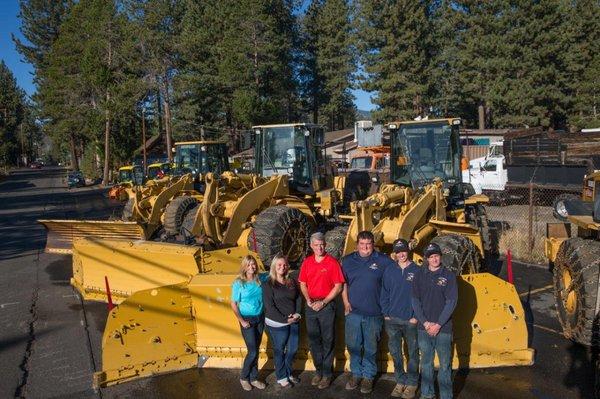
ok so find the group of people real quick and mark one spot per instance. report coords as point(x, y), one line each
point(415, 304)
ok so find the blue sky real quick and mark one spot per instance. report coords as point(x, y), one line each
point(9, 23)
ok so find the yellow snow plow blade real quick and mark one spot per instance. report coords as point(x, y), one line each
point(62, 233)
point(131, 266)
point(173, 328)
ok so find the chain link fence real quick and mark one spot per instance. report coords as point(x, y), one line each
point(519, 218)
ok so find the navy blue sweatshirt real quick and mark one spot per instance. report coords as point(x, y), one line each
point(396, 291)
point(434, 297)
point(363, 278)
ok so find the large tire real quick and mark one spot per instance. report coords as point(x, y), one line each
point(175, 213)
point(558, 206)
point(477, 216)
point(575, 273)
point(281, 230)
point(459, 254)
point(335, 240)
point(128, 210)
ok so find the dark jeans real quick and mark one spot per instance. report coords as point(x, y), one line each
point(397, 329)
point(252, 337)
point(442, 345)
point(285, 345)
point(362, 335)
point(320, 327)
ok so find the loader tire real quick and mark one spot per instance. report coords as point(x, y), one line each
point(459, 254)
point(558, 206)
point(335, 240)
point(175, 213)
point(128, 210)
point(477, 216)
point(575, 277)
point(281, 230)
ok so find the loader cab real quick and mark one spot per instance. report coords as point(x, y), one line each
point(158, 170)
point(131, 175)
point(425, 150)
point(201, 157)
point(296, 150)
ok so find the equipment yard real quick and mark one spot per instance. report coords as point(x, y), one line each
point(50, 339)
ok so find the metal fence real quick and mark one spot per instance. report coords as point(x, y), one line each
point(519, 220)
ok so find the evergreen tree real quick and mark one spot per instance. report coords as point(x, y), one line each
point(394, 41)
point(12, 110)
point(329, 62)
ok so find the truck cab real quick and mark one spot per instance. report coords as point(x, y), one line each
point(201, 157)
point(488, 173)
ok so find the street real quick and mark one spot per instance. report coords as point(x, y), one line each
point(50, 339)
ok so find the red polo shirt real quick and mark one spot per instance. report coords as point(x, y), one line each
point(320, 277)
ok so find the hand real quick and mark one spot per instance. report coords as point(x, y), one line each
point(347, 308)
point(245, 323)
point(317, 305)
point(426, 325)
point(291, 320)
point(387, 318)
point(413, 321)
point(433, 329)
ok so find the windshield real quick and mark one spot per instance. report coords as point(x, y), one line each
point(496, 150)
point(125, 176)
point(202, 158)
point(425, 151)
point(153, 172)
point(361, 163)
point(284, 152)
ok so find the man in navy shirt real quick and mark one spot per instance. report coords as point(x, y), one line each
point(435, 294)
point(396, 306)
point(363, 271)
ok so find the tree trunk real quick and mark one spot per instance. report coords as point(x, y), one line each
point(164, 88)
point(481, 110)
point(106, 143)
point(73, 148)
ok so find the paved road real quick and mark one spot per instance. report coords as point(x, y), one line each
point(50, 339)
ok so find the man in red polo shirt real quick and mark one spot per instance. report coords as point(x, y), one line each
point(321, 280)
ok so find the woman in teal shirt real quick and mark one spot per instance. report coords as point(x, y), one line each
point(247, 305)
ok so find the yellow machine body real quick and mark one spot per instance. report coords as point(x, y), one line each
point(182, 326)
point(132, 266)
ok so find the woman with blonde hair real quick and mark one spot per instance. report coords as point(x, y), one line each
point(283, 302)
point(247, 305)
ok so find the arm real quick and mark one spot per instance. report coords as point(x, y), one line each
point(271, 310)
point(298, 304)
point(384, 298)
point(304, 289)
point(347, 306)
point(236, 312)
point(416, 303)
point(451, 299)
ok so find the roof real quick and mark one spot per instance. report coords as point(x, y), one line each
point(287, 125)
point(449, 121)
point(203, 142)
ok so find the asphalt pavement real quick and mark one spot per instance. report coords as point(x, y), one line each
point(50, 340)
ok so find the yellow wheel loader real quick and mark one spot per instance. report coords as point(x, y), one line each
point(190, 324)
point(575, 262)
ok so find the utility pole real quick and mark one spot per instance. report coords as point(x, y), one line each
point(144, 138)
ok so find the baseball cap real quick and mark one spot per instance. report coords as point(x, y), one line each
point(431, 249)
point(400, 245)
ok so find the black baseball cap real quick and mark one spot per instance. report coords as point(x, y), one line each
point(431, 249)
point(400, 245)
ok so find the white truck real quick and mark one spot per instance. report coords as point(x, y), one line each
point(488, 174)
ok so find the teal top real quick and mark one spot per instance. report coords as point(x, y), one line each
point(248, 296)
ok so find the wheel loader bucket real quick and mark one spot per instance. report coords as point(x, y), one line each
point(131, 266)
point(157, 332)
point(61, 233)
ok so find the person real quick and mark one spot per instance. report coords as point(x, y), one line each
point(363, 271)
point(247, 305)
point(283, 303)
point(400, 323)
point(321, 281)
point(434, 298)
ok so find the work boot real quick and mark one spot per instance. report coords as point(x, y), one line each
point(315, 380)
point(246, 385)
point(325, 382)
point(409, 392)
point(294, 380)
point(398, 391)
point(366, 386)
point(258, 384)
point(352, 383)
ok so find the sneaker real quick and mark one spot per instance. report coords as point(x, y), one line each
point(366, 385)
point(409, 392)
point(352, 383)
point(258, 384)
point(398, 391)
point(325, 382)
point(284, 383)
point(246, 385)
point(294, 380)
point(315, 380)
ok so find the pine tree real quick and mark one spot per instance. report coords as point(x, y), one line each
point(12, 110)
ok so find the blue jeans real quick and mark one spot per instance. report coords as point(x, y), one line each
point(252, 337)
point(396, 329)
point(285, 345)
point(442, 345)
point(362, 335)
